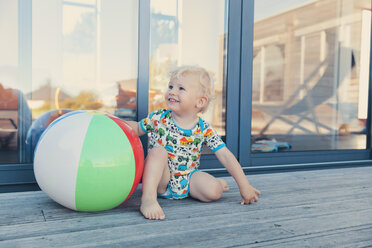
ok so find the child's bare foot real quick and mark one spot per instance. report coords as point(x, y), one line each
point(224, 184)
point(151, 209)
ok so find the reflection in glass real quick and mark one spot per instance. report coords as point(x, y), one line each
point(12, 105)
point(91, 61)
point(40, 125)
point(310, 75)
point(189, 33)
point(15, 115)
point(84, 56)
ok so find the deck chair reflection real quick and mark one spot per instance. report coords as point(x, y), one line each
point(324, 89)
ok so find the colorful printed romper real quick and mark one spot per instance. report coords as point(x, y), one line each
point(184, 147)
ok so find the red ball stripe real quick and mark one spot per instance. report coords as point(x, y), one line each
point(137, 151)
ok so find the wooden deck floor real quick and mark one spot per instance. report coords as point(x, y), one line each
point(324, 208)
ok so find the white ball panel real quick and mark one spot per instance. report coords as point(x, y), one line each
point(57, 158)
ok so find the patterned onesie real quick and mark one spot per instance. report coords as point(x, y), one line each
point(184, 147)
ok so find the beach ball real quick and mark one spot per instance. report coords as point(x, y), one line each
point(88, 161)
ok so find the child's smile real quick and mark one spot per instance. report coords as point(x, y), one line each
point(172, 100)
point(183, 94)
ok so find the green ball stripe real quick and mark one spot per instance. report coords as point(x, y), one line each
point(106, 167)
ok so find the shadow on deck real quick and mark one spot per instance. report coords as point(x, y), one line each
point(325, 208)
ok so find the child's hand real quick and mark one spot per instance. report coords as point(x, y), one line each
point(249, 195)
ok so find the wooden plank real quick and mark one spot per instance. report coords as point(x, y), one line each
point(355, 201)
point(353, 237)
point(42, 210)
point(14, 216)
point(290, 186)
point(355, 175)
point(119, 217)
point(321, 178)
point(279, 179)
point(349, 237)
point(219, 231)
point(226, 236)
point(17, 195)
point(84, 221)
point(51, 210)
point(290, 209)
point(263, 179)
point(268, 200)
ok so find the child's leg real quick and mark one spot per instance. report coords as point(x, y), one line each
point(206, 187)
point(155, 180)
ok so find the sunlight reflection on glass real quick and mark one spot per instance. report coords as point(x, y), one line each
point(310, 75)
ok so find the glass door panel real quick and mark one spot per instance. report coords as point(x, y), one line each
point(84, 56)
point(310, 75)
point(15, 115)
point(189, 33)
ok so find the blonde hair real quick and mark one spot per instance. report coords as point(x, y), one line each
point(205, 80)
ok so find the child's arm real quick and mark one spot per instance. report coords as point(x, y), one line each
point(136, 127)
point(249, 194)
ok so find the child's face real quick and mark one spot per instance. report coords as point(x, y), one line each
point(184, 94)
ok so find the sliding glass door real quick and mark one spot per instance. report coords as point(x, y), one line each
point(305, 66)
point(69, 55)
point(310, 76)
point(189, 33)
point(291, 77)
